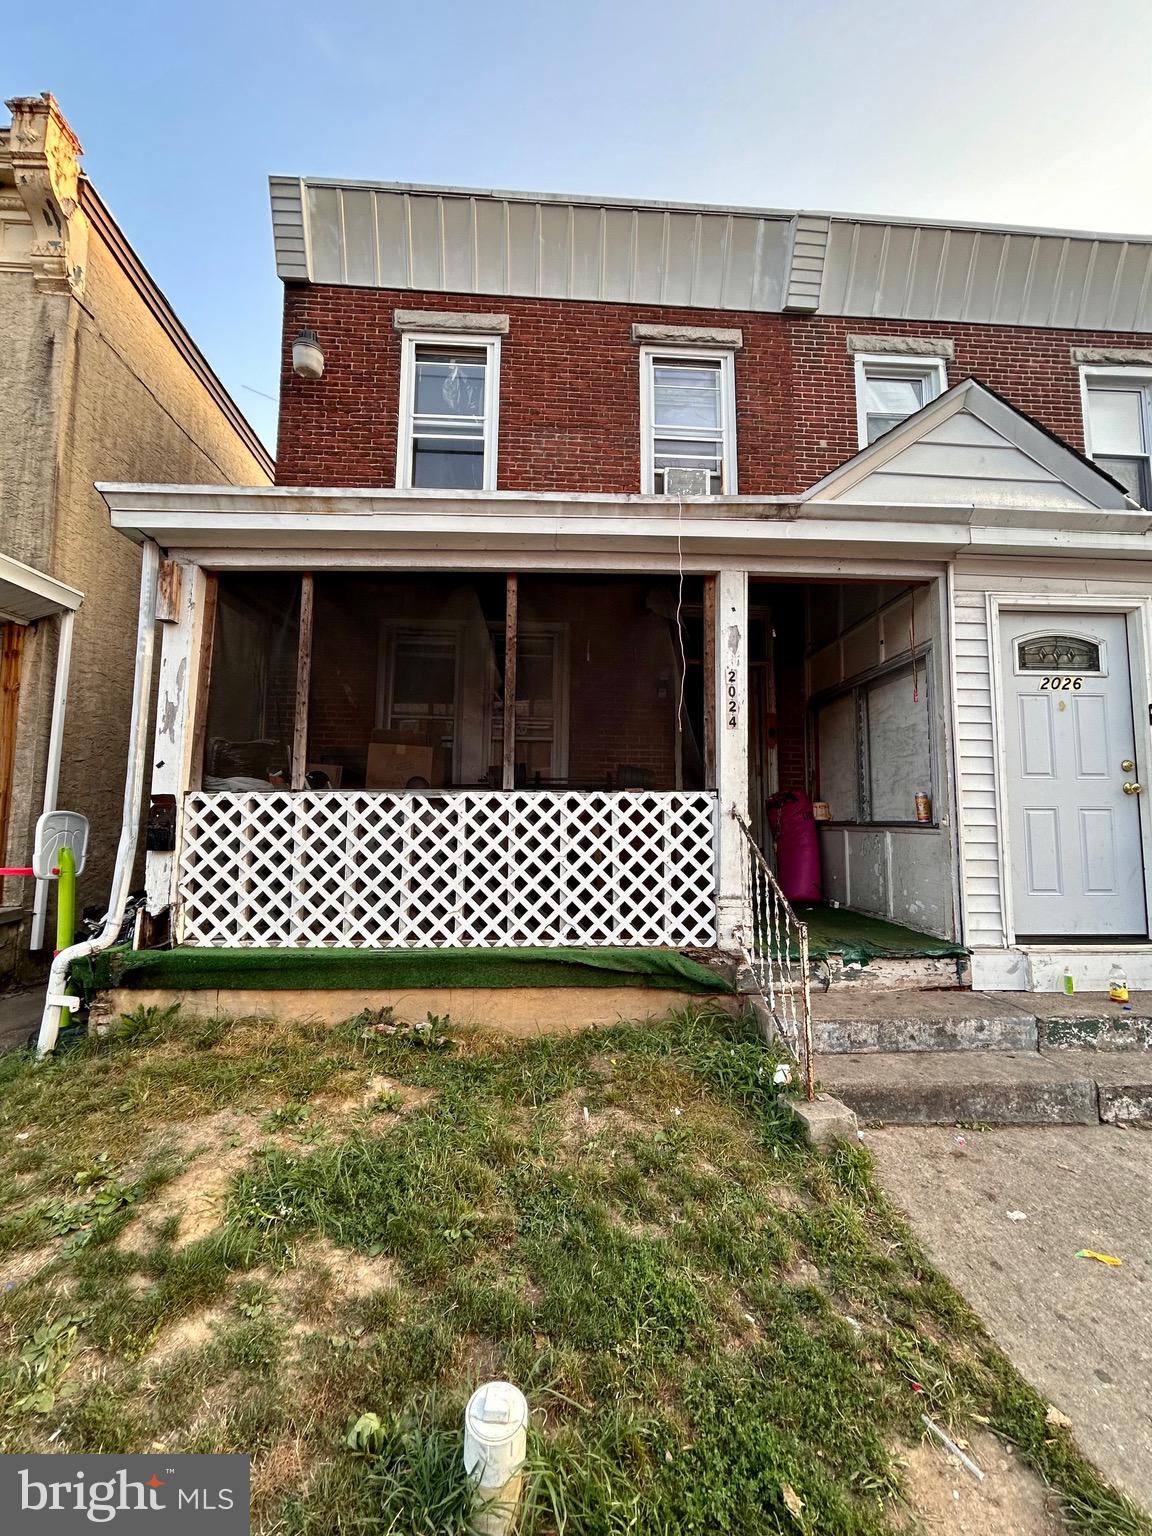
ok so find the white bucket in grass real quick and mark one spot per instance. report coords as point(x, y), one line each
point(495, 1437)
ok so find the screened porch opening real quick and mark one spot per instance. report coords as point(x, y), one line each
point(845, 710)
point(457, 759)
point(407, 680)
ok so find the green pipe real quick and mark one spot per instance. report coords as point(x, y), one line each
point(65, 898)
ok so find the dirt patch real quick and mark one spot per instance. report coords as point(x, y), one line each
point(346, 1097)
point(801, 1272)
point(946, 1500)
point(218, 1147)
point(324, 1277)
point(19, 1267)
point(276, 1472)
point(190, 1332)
point(579, 1123)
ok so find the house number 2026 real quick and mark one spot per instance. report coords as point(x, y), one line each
point(1060, 684)
point(731, 699)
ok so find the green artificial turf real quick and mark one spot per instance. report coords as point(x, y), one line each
point(379, 969)
point(860, 938)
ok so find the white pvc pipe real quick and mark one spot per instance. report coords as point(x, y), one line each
point(133, 797)
point(55, 752)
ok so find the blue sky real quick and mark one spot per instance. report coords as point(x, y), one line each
point(1001, 109)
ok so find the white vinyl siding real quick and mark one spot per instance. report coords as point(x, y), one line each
point(976, 773)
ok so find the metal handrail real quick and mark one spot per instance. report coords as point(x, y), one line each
point(782, 981)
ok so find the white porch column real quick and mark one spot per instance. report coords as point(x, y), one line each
point(731, 746)
point(182, 639)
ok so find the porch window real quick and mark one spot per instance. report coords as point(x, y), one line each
point(448, 415)
point(421, 673)
point(874, 746)
point(890, 389)
point(540, 705)
point(1118, 427)
point(688, 418)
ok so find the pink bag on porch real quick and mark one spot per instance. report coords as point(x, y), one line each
point(797, 845)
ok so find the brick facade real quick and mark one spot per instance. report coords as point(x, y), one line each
point(569, 388)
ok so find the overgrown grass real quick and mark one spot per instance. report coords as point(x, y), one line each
point(717, 1329)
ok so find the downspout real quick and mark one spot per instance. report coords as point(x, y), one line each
point(133, 800)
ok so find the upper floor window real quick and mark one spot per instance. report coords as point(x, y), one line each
point(687, 417)
point(1118, 426)
point(449, 390)
point(890, 389)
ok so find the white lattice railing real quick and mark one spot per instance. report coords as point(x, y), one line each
point(461, 870)
point(775, 950)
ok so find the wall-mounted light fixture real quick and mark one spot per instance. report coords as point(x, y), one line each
point(307, 358)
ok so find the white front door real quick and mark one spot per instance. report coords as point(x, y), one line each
point(1072, 788)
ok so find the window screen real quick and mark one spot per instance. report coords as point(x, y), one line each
point(875, 747)
point(839, 754)
point(899, 752)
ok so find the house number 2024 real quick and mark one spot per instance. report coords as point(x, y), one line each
point(1061, 684)
point(731, 698)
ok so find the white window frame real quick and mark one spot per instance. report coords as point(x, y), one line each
point(490, 345)
point(725, 356)
point(1123, 376)
point(933, 370)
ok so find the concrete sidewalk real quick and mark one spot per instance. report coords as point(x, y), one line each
point(1079, 1331)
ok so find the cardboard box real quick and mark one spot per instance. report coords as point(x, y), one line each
point(395, 757)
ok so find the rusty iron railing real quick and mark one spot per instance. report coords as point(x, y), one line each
point(774, 949)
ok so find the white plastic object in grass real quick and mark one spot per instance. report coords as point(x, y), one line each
point(495, 1439)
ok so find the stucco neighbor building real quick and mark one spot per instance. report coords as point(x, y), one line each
point(99, 380)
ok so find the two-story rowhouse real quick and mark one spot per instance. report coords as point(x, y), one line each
point(98, 379)
point(598, 523)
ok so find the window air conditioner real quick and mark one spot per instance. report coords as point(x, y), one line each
point(686, 482)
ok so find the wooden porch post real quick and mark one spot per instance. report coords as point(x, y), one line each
point(202, 656)
point(10, 660)
point(511, 646)
point(303, 680)
point(731, 740)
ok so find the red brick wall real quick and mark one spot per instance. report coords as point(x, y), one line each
point(569, 391)
point(569, 388)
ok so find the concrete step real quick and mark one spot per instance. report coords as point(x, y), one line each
point(991, 1088)
point(849, 1021)
point(1089, 1021)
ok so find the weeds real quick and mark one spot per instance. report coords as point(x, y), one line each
point(623, 1221)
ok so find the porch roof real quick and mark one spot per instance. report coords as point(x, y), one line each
point(27, 594)
point(279, 525)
